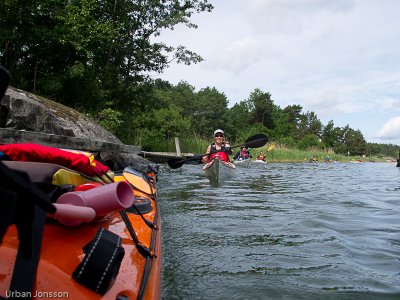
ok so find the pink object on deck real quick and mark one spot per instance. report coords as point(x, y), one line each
point(72, 215)
point(103, 199)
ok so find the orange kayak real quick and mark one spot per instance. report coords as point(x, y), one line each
point(69, 254)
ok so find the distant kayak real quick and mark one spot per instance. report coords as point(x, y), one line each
point(242, 162)
point(259, 161)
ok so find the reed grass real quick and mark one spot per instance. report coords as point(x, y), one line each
point(281, 153)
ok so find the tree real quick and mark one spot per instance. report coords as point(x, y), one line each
point(352, 141)
point(294, 115)
point(181, 97)
point(211, 112)
point(309, 141)
point(309, 124)
point(355, 142)
point(239, 117)
point(330, 135)
point(283, 128)
point(101, 49)
point(261, 108)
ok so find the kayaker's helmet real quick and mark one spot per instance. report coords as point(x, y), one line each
point(218, 131)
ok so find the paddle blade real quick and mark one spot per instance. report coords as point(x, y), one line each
point(256, 141)
point(177, 162)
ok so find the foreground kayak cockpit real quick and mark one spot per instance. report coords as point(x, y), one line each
point(83, 247)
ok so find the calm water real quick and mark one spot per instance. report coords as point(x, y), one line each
point(282, 231)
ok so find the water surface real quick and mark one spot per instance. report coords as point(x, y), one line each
point(282, 231)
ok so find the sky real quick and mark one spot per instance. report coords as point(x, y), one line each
point(337, 58)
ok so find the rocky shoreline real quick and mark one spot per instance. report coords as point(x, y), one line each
point(20, 110)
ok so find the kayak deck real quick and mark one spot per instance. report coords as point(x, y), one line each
point(218, 171)
point(62, 251)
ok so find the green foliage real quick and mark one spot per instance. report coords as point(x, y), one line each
point(191, 145)
point(212, 107)
point(150, 140)
point(329, 134)
point(285, 154)
point(350, 141)
point(239, 118)
point(310, 141)
point(293, 113)
point(169, 122)
point(388, 150)
point(109, 119)
point(261, 108)
point(50, 46)
point(155, 127)
point(309, 124)
point(283, 128)
point(288, 141)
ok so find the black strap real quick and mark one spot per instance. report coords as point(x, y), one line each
point(8, 202)
point(100, 266)
point(25, 268)
point(143, 250)
point(24, 205)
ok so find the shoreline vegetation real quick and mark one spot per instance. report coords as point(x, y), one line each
point(276, 153)
point(282, 155)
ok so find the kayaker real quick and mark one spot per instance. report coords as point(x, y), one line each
point(219, 148)
point(261, 156)
point(242, 154)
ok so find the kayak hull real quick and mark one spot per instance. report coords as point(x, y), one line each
point(218, 171)
point(259, 161)
point(242, 163)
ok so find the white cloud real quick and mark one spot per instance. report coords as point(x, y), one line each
point(390, 130)
point(240, 55)
point(337, 58)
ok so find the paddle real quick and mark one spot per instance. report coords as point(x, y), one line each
point(255, 141)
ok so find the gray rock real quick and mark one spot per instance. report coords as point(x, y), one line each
point(21, 110)
point(25, 111)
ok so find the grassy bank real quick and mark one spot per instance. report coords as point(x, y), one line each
point(274, 153)
point(283, 154)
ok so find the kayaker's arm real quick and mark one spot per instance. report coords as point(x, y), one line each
point(204, 159)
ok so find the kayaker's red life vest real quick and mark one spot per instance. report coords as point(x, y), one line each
point(243, 154)
point(218, 153)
